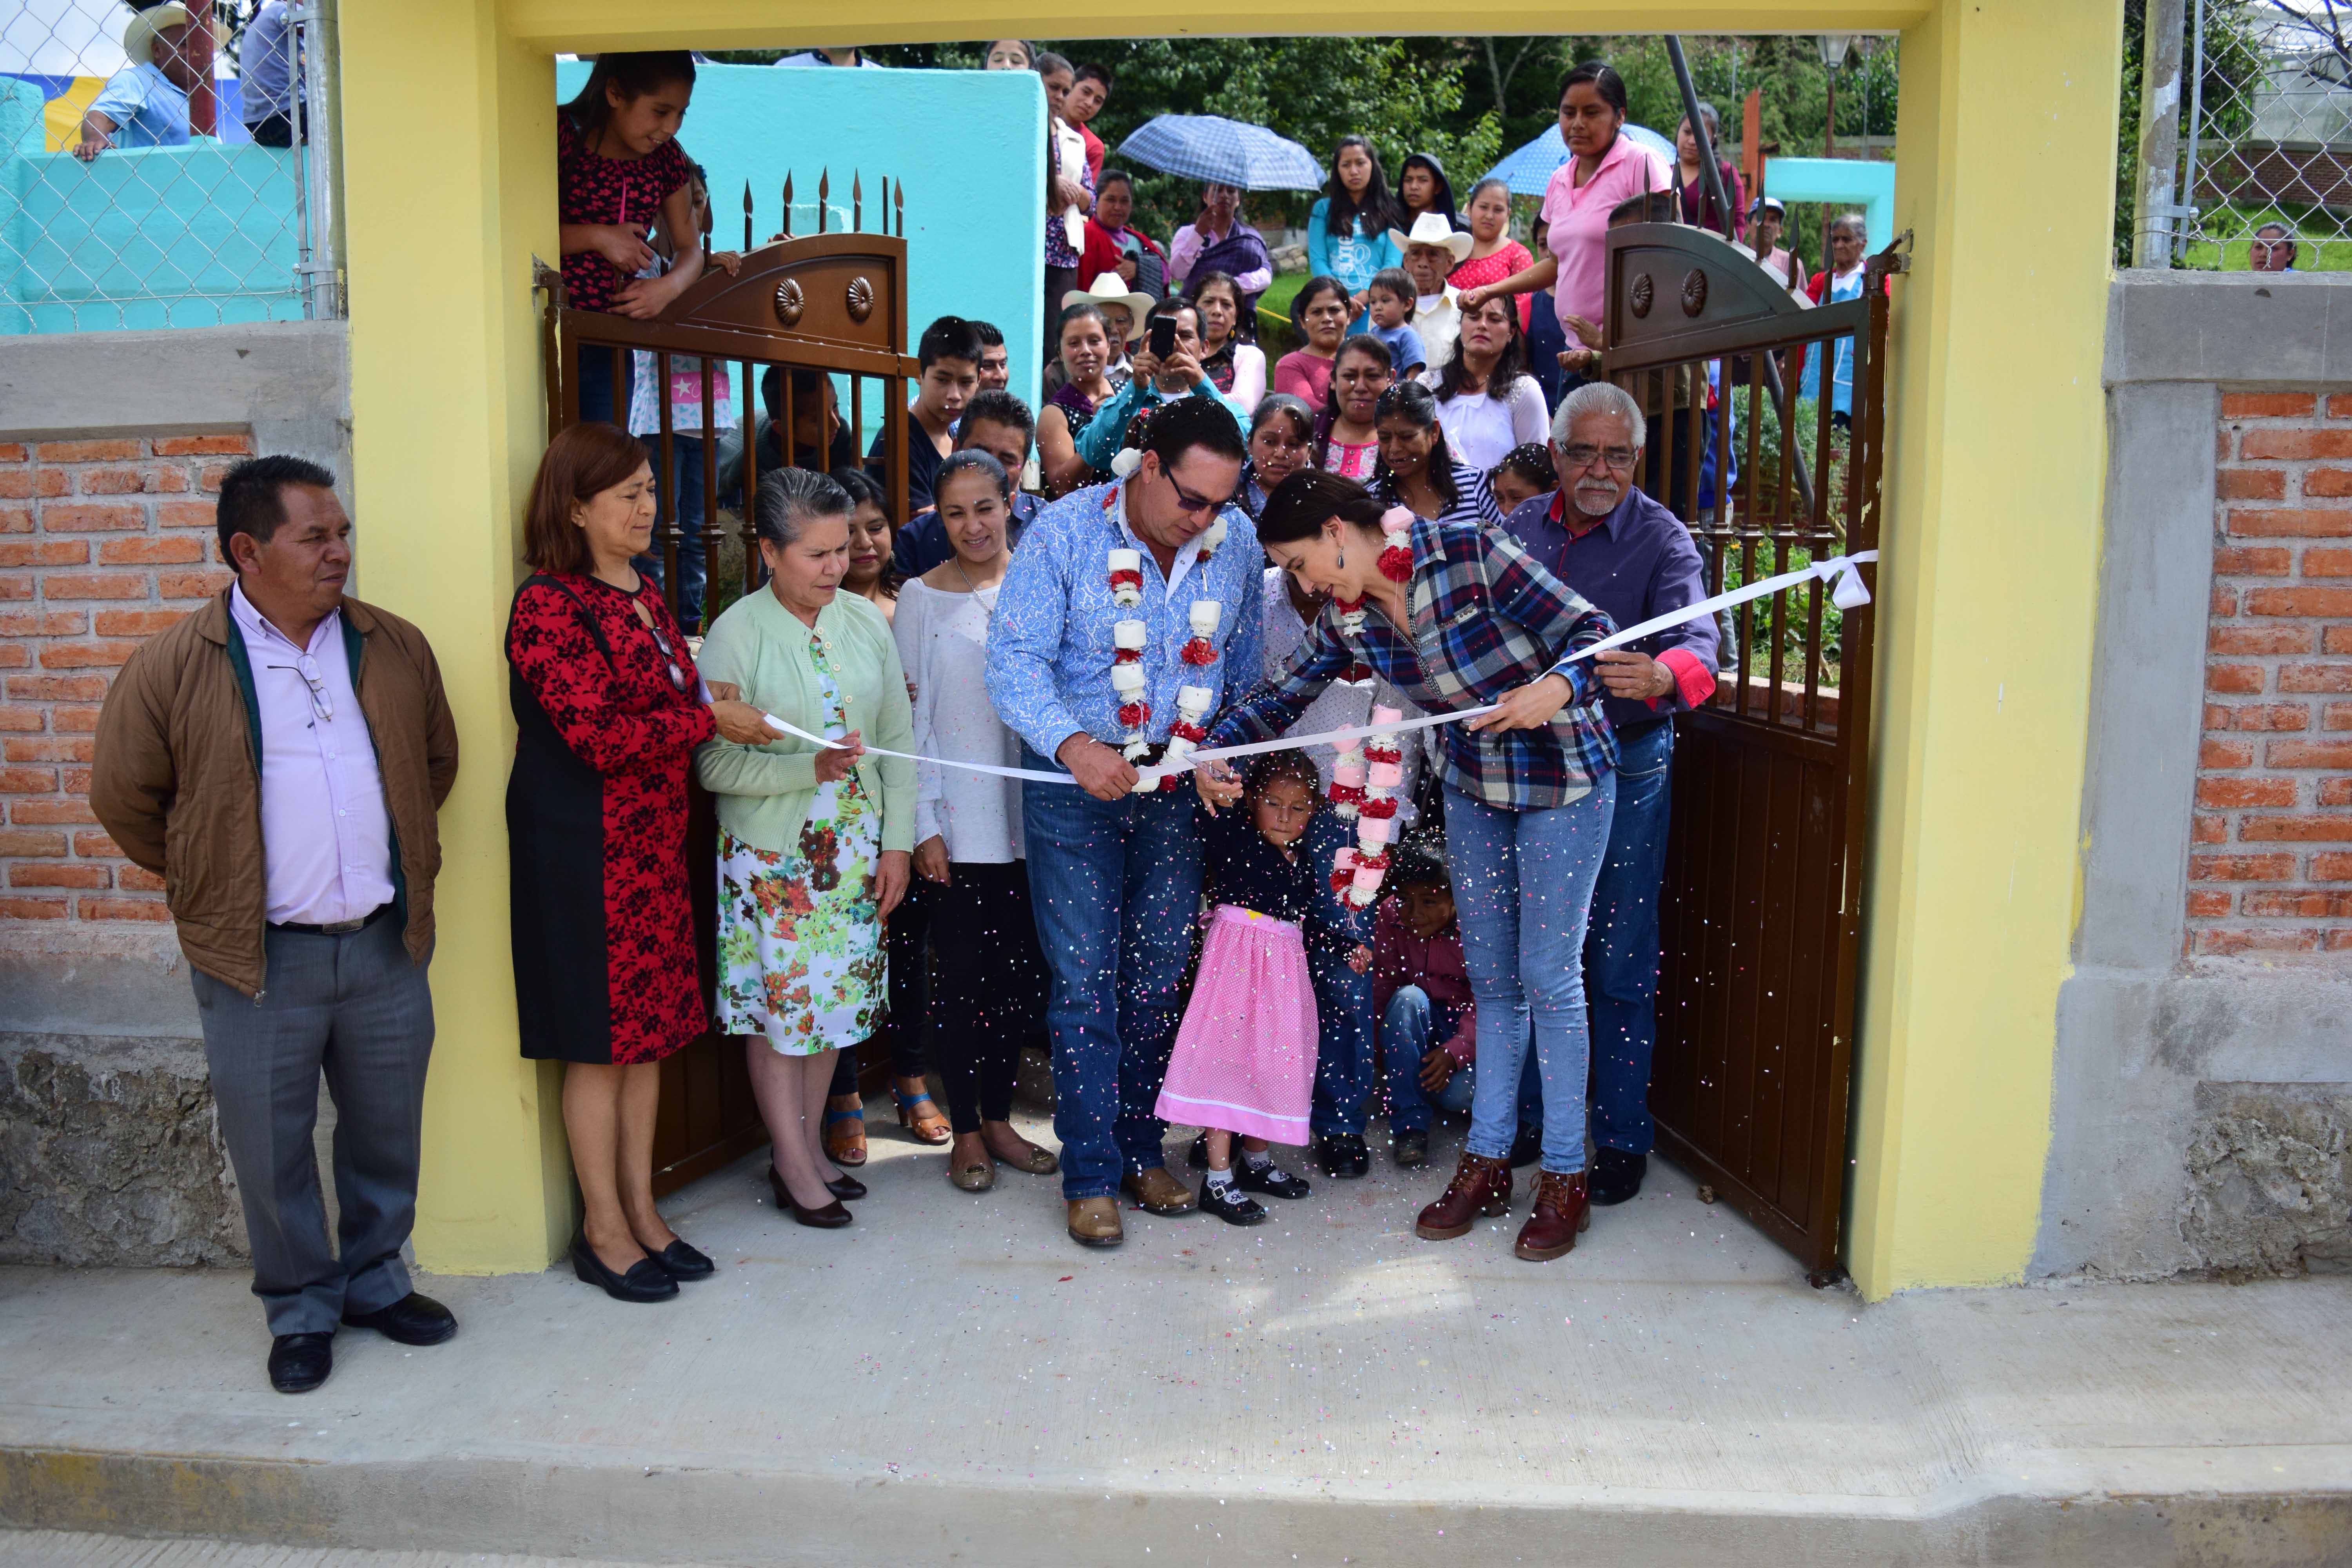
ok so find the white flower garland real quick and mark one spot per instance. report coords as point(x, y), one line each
point(1128, 638)
point(1364, 783)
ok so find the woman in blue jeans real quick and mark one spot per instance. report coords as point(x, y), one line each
point(1459, 617)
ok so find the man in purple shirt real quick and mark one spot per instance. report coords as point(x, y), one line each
point(277, 757)
point(1636, 560)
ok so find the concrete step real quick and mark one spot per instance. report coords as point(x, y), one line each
point(70, 1548)
point(950, 1380)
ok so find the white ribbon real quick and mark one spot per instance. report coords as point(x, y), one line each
point(1848, 591)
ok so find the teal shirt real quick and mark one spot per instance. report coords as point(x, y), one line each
point(764, 792)
point(1098, 442)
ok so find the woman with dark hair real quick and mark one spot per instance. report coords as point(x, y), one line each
point(1472, 622)
point(1422, 187)
point(968, 835)
point(1318, 314)
point(1218, 239)
point(1281, 442)
point(1347, 231)
point(1698, 207)
point(608, 712)
point(872, 573)
point(1010, 55)
point(1346, 443)
point(1494, 254)
point(1417, 470)
point(1069, 189)
point(1115, 244)
point(618, 169)
point(1489, 401)
point(1229, 352)
point(1084, 337)
point(1602, 169)
point(814, 840)
point(1524, 473)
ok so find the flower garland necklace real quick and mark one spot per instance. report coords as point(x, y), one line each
point(1395, 563)
point(1364, 784)
point(1130, 634)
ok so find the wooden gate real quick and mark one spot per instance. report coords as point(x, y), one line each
point(1760, 914)
point(831, 306)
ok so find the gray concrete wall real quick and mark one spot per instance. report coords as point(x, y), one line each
point(107, 1150)
point(2200, 1113)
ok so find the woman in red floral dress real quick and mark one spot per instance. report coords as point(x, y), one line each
point(608, 711)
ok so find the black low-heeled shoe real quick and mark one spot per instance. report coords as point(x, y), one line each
point(300, 1362)
point(680, 1261)
point(849, 1189)
point(645, 1280)
point(1229, 1204)
point(1270, 1179)
point(832, 1217)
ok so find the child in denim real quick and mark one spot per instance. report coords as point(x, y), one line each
point(1421, 994)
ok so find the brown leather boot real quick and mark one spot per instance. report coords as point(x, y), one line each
point(1094, 1222)
point(1561, 1210)
point(1481, 1189)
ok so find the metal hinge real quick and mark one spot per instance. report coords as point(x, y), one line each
point(1897, 255)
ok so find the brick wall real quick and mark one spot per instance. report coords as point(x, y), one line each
point(2270, 864)
point(102, 544)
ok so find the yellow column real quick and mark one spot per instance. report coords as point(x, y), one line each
point(450, 177)
point(2005, 171)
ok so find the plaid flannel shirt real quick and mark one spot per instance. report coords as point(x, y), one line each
point(1485, 619)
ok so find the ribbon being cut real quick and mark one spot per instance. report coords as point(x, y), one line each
point(1364, 769)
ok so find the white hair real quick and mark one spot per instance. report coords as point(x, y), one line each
point(1599, 397)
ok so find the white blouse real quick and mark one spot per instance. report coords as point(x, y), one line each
point(1481, 430)
point(1342, 705)
point(943, 643)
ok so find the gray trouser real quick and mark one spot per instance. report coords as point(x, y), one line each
point(356, 1008)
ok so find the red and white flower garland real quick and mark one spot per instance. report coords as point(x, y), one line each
point(1129, 637)
point(1364, 784)
point(1395, 562)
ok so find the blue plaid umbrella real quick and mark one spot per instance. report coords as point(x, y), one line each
point(1225, 152)
point(1529, 170)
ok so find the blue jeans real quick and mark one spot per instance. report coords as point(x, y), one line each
point(1343, 1001)
point(1621, 950)
point(685, 505)
point(1409, 1029)
point(1525, 881)
point(1114, 885)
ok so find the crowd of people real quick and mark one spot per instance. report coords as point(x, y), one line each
point(957, 805)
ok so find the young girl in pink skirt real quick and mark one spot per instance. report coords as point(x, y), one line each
point(1245, 1059)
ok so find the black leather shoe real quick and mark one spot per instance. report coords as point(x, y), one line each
point(680, 1261)
point(1270, 1179)
point(1616, 1175)
point(832, 1217)
point(1527, 1147)
point(849, 1189)
point(1343, 1155)
point(300, 1362)
point(1228, 1204)
point(1411, 1149)
point(414, 1319)
point(645, 1280)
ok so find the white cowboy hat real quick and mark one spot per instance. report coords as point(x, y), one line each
point(1110, 288)
point(139, 37)
point(1431, 228)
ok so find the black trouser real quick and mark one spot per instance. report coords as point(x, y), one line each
point(905, 939)
point(992, 987)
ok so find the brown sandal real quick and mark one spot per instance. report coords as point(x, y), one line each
point(920, 1115)
point(845, 1136)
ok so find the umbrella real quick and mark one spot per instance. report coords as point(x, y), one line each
point(1224, 152)
point(1529, 170)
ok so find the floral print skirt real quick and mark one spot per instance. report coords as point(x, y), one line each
point(801, 960)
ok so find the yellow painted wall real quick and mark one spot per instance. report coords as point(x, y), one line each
point(1989, 586)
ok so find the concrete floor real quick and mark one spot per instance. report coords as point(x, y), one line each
point(951, 1380)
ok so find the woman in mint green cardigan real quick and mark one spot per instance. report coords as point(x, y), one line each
point(813, 842)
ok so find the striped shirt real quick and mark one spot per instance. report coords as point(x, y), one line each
point(1485, 620)
point(1476, 506)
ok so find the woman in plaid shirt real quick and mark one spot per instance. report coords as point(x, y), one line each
point(1529, 787)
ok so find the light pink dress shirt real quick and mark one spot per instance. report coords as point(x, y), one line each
point(326, 836)
point(1580, 222)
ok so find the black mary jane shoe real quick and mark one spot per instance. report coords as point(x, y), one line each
point(832, 1217)
point(848, 1189)
point(1616, 1175)
point(682, 1262)
point(1270, 1179)
point(1229, 1205)
point(414, 1319)
point(645, 1280)
point(1343, 1155)
point(300, 1362)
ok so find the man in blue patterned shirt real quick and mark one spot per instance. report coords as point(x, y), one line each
point(1115, 872)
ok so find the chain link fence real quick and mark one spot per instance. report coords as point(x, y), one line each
point(2244, 134)
point(169, 164)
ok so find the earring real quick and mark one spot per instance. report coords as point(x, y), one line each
point(1343, 558)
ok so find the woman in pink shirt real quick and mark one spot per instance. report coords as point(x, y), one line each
point(1602, 169)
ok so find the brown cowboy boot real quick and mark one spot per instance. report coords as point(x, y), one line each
point(1561, 1209)
point(1481, 1189)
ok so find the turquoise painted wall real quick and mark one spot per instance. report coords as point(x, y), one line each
point(971, 146)
point(1852, 182)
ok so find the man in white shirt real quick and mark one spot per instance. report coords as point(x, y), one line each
point(1432, 250)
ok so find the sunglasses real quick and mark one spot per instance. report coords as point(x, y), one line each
point(1187, 501)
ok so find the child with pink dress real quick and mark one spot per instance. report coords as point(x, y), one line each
point(1243, 1063)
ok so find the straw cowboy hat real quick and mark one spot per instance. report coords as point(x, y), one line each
point(139, 37)
point(1110, 288)
point(1431, 228)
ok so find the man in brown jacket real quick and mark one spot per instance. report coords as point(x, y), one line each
point(278, 759)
